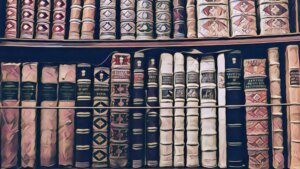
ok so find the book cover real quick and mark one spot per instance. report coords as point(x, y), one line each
point(11, 23)
point(88, 19)
point(75, 20)
point(43, 19)
point(59, 19)
point(163, 19)
point(144, 19)
point(179, 16)
point(27, 19)
point(127, 24)
point(108, 19)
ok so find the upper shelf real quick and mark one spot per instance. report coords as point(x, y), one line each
point(294, 37)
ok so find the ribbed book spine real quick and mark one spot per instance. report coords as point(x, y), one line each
point(28, 116)
point(11, 25)
point(101, 117)
point(163, 19)
point(120, 83)
point(88, 19)
point(192, 114)
point(83, 121)
point(66, 117)
point(11, 74)
point(107, 19)
point(127, 19)
point(256, 117)
point(75, 20)
point(59, 19)
point(208, 115)
point(144, 19)
point(191, 18)
point(179, 16)
point(166, 115)
point(43, 19)
point(27, 19)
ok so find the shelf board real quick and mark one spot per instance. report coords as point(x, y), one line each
point(293, 37)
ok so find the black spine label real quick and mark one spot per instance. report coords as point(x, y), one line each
point(233, 78)
point(208, 94)
point(179, 78)
point(167, 80)
point(10, 90)
point(28, 90)
point(255, 83)
point(208, 77)
point(294, 77)
point(67, 91)
point(49, 92)
point(193, 77)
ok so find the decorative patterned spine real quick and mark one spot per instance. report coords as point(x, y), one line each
point(28, 116)
point(75, 20)
point(127, 19)
point(67, 96)
point(163, 19)
point(88, 19)
point(100, 117)
point(11, 25)
point(256, 117)
point(10, 117)
point(166, 115)
point(107, 19)
point(27, 19)
point(208, 115)
point(120, 83)
point(144, 19)
point(59, 19)
point(191, 19)
point(179, 16)
point(192, 114)
point(43, 19)
point(276, 117)
point(83, 122)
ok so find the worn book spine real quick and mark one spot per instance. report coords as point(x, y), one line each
point(163, 19)
point(276, 111)
point(120, 83)
point(59, 19)
point(11, 74)
point(256, 117)
point(107, 19)
point(208, 115)
point(88, 19)
point(144, 19)
point(11, 24)
point(27, 19)
point(166, 115)
point(43, 19)
point(179, 16)
point(75, 20)
point(191, 22)
point(101, 117)
point(192, 114)
point(28, 116)
point(127, 24)
point(66, 117)
point(48, 128)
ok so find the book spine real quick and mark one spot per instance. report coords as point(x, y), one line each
point(152, 121)
point(27, 19)
point(83, 121)
point(10, 117)
point(144, 19)
point(127, 19)
point(43, 19)
point(11, 24)
point(192, 114)
point(28, 116)
point(66, 117)
point(163, 19)
point(101, 116)
point(88, 20)
point(179, 15)
point(75, 20)
point(276, 111)
point(256, 117)
point(191, 19)
point(208, 115)
point(49, 97)
point(59, 19)
point(120, 83)
point(107, 19)
point(166, 115)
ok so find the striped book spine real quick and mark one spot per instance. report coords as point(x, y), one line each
point(59, 19)
point(179, 16)
point(75, 20)
point(27, 19)
point(88, 19)
point(163, 19)
point(43, 19)
point(144, 19)
point(127, 19)
point(107, 19)
point(191, 19)
point(11, 24)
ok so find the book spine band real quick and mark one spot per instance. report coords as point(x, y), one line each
point(88, 20)
point(163, 19)
point(107, 19)
point(144, 19)
point(75, 20)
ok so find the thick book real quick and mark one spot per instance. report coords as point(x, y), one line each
point(179, 16)
point(108, 19)
point(88, 19)
point(27, 19)
point(191, 21)
point(101, 116)
point(66, 116)
point(11, 74)
point(127, 24)
point(59, 19)
point(144, 19)
point(29, 116)
point(43, 19)
point(163, 19)
point(256, 117)
point(119, 118)
point(75, 20)
point(11, 23)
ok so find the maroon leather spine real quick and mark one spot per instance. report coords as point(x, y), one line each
point(43, 19)
point(27, 19)
point(11, 19)
point(59, 19)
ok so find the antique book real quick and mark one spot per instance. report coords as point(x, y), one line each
point(152, 122)
point(163, 19)
point(75, 20)
point(127, 24)
point(191, 22)
point(59, 19)
point(192, 114)
point(166, 115)
point(48, 117)
point(66, 117)
point(120, 83)
point(27, 19)
point(179, 115)
point(11, 23)
point(83, 120)
point(43, 19)
point(208, 114)
point(179, 16)
point(256, 117)
point(101, 116)
point(222, 111)
point(144, 19)
point(88, 19)
point(276, 111)
point(138, 115)
point(11, 74)
point(29, 116)
point(107, 19)
point(235, 116)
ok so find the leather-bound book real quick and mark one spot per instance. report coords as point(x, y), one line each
point(163, 19)
point(179, 16)
point(88, 19)
point(191, 21)
point(28, 116)
point(27, 19)
point(101, 116)
point(166, 115)
point(120, 83)
point(11, 24)
point(127, 24)
point(43, 19)
point(256, 117)
point(48, 128)
point(66, 117)
point(144, 19)
point(83, 121)
point(107, 19)
point(59, 19)
point(208, 115)
point(276, 111)
point(192, 114)
point(75, 20)
point(11, 74)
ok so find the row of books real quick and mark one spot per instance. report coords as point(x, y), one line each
point(145, 19)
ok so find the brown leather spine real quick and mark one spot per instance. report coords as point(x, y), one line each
point(11, 19)
point(27, 19)
point(75, 20)
point(43, 19)
point(191, 19)
point(59, 19)
point(179, 16)
point(88, 20)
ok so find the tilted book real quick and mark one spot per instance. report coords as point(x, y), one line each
point(127, 24)
point(256, 117)
point(107, 19)
point(163, 19)
point(191, 21)
point(11, 23)
point(144, 19)
point(43, 19)
point(27, 19)
point(179, 16)
point(75, 20)
point(59, 19)
point(88, 19)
